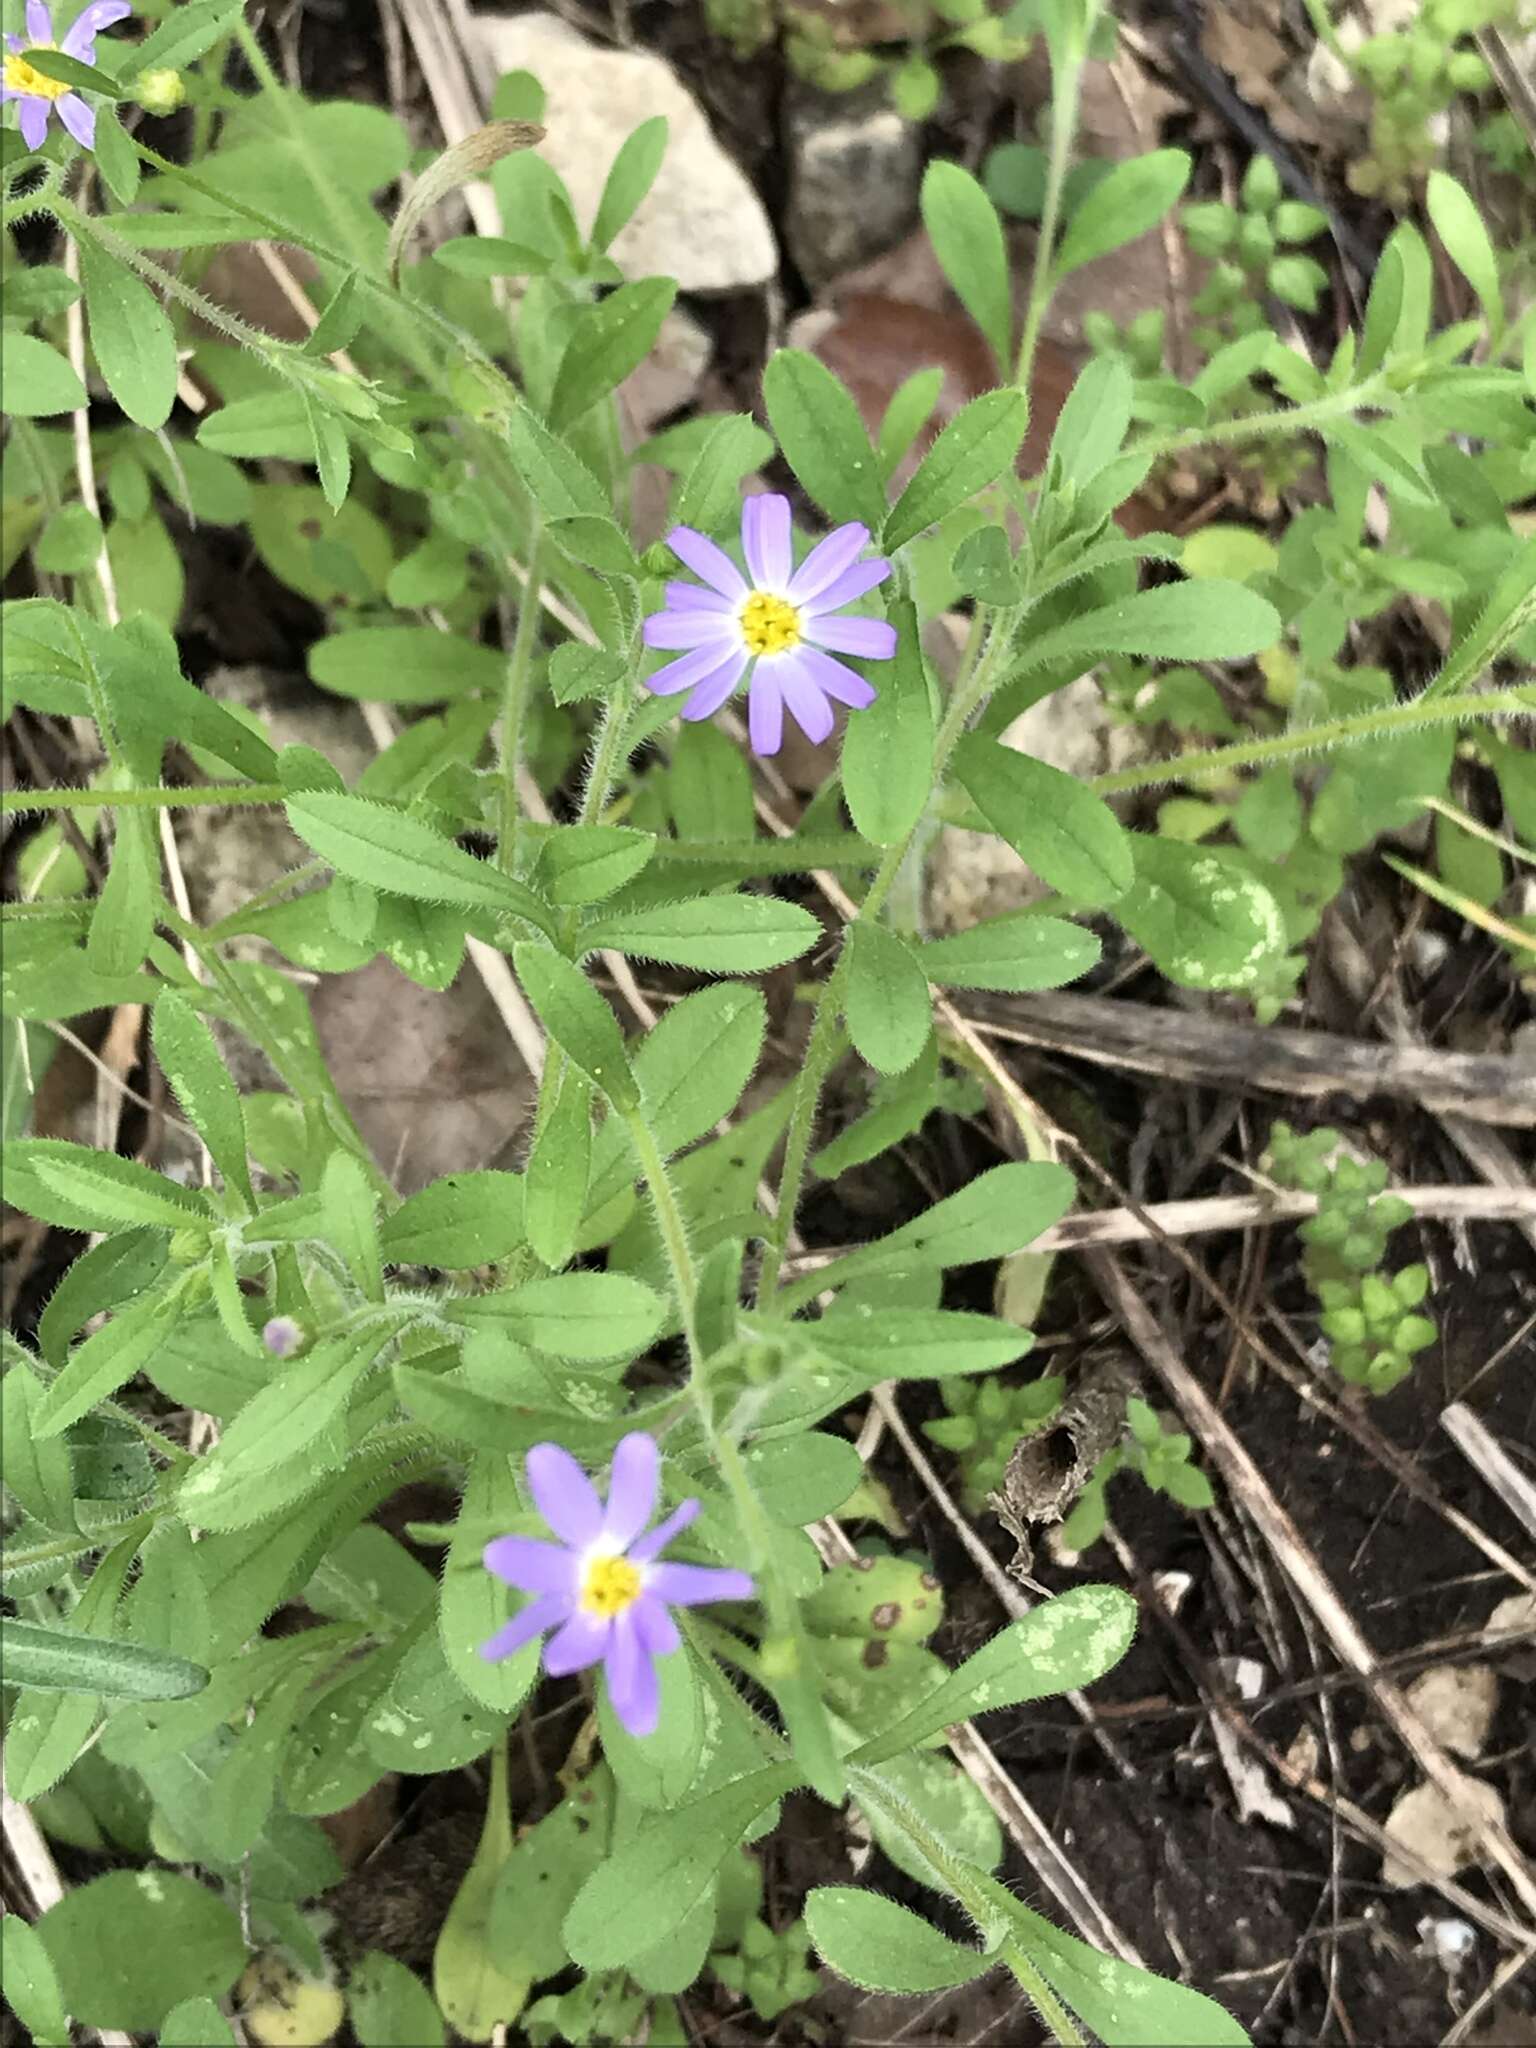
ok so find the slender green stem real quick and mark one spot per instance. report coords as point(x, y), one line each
point(514, 707)
point(1044, 1999)
point(194, 797)
point(822, 1046)
point(1066, 88)
point(669, 1221)
point(1311, 739)
point(1374, 393)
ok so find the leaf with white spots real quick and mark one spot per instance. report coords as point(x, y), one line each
point(1065, 1643)
point(1206, 921)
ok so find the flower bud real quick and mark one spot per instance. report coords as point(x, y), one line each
point(282, 1336)
point(160, 92)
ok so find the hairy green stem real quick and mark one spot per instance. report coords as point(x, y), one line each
point(1388, 723)
point(514, 708)
point(195, 797)
point(1375, 392)
point(669, 1221)
point(1066, 89)
point(822, 1046)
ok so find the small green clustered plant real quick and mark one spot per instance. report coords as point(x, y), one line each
point(1370, 1317)
point(439, 473)
point(1160, 1458)
point(1255, 248)
point(985, 1420)
point(1415, 74)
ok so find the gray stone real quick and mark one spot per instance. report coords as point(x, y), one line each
point(855, 168)
point(701, 222)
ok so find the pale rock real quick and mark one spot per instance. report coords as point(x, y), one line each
point(855, 167)
point(1516, 1612)
point(1456, 1703)
point(1443, 1835)
point(701, 222)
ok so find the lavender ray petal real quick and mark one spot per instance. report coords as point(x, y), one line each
point(78, 118)
point(532, 1565)
point(703, 663)
point(845, 588)
point(654, 1626)
point(695, 1585)
point(827, 561)
point(657, 1539)
point(692, 597)
point(690, 629)
point(765, 541)
point(713, 691)
point(706, 560)
point(80, 38)
point(34, 121)
point(633, 1687)
point(632, 1489)
point(765, 713)
point(39, 22)
point(564, 1495)
point(869, 639)
point(807, 702)
point(548, 1611)
point(834, 680)
point(583, 1640)
point(15, 45)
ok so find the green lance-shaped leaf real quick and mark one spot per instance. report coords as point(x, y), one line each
point(822, 437)
point(1093, 422)
point(648, 1887)
point(1068, 1642)
point(48, 1728)
point(463, 1220)
point(36, 1469)
point(1205, 621)
point(1000, 1212)
point(190, 1061)
point(607, 342)
point(1015, 953)
point(591, 1318)
point(888, 748)
point(584, 863)
point(473, 1604)
point(1129, 200)
point(475, 1993)
point(578, 1020)
point(1468, 244)
point(131, 337)
point(123, 923)
point(59, 1660)
point(882, 1946)
point(630, 177)
point(886, 1002)
point(967, 238)
point(1071, 839)
point(555, 475)
point(714, 934)
point(31, 1983)
point(974, 450)
point(404, 665)
point(107, 1360)
point(386, 849)
point(559, 1170)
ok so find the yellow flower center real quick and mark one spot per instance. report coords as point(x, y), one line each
point(612, 1584)
point(769, 625)
point(20, 77)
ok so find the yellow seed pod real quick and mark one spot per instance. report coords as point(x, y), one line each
point(280, 2007)
point(160, 92)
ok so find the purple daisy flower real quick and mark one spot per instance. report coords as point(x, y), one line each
point(36, 94)
point(780, 624)
point(601, 1588)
